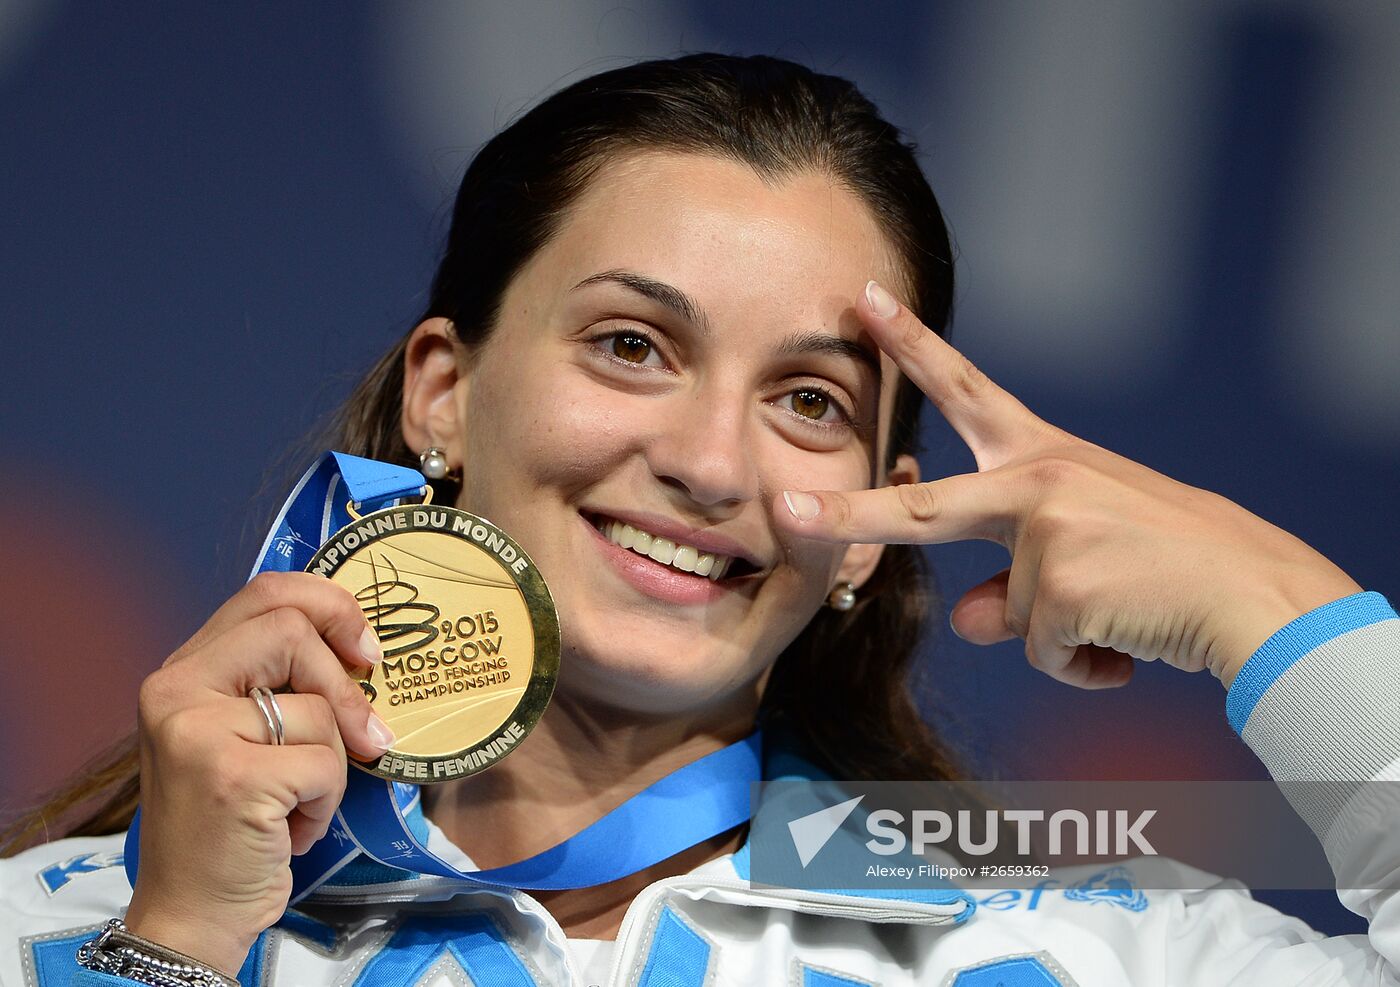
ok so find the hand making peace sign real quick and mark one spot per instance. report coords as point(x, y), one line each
point(1110, 560)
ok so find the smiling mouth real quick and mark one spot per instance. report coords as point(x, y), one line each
point(674, 555)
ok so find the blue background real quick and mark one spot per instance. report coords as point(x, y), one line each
point(1178, 228)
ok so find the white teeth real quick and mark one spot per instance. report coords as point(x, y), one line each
point(687, 558)
point(662, 550)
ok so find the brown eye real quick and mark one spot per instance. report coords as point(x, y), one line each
point(810, 404)
point(631, 347)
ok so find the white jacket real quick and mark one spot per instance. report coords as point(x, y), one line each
point(1321, 699)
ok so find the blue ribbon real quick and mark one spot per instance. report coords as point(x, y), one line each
point(690, 805)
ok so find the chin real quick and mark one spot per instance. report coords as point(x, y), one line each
point(655, 676)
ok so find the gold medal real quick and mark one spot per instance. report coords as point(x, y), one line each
point(469, 631)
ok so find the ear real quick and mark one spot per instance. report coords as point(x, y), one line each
point(860, 560)
point(431, 381)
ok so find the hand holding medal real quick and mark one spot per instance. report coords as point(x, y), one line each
point(470, 645)
point(211, 780)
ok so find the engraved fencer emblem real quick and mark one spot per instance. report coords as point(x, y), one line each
point(469, 631)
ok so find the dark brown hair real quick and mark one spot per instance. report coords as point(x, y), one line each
point(842, 688)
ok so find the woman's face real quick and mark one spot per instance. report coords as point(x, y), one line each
point(681, 352)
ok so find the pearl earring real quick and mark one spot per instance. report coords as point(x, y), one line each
point(843, 597)
point(434, 463)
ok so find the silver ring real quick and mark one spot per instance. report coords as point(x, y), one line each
point(272, 714)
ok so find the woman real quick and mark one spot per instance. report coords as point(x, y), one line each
point(704, 298)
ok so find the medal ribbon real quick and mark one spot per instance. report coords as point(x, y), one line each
point(690, 805)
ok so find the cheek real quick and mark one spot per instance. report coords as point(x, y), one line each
point(544, 428)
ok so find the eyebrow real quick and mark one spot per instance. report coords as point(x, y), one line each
point(677, 301)
point(801, 343)
point(665, 295)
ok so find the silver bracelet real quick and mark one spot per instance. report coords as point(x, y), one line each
point(121, 953)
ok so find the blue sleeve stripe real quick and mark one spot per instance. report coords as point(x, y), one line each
point(679, 957)
point(1294, 640)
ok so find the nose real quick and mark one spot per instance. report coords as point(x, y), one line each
point(702, 446)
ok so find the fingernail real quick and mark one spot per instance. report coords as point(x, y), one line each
point(379, 731)
point(802, 506)
point(882, 303)
point(952, 627)
point(369, 647)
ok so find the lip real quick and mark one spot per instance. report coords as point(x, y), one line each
point(653, 579)
point(703, 539)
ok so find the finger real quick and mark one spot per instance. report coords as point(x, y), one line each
point(1097, 667)
point(979, 617)
point(1085, 666)
point(304, 831)
point(307, 780)
point(1046, 652)
point(984, 506)
point(312, 818)
point(1022, 582)
point(283, 648)
point(1032, 618)
point(990, 420)
point(330, 607)
point(306, 719)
